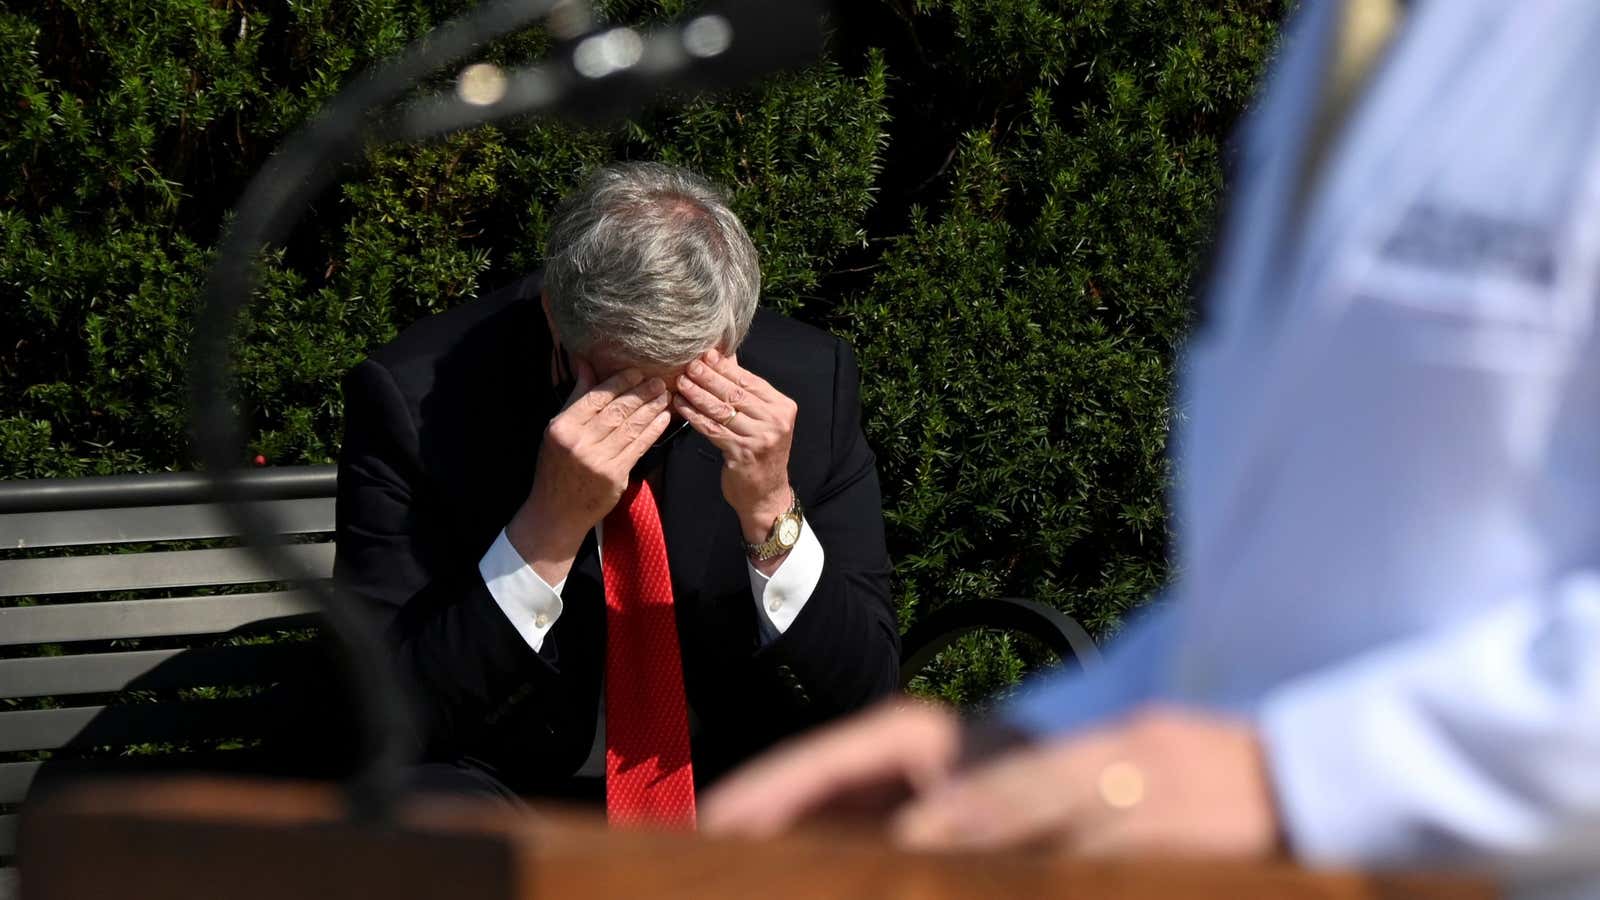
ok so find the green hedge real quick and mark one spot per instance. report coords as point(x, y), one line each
point(999, 202)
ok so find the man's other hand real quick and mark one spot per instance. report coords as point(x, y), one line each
point(752, 423)
point(588, 451)
point(1160, 783)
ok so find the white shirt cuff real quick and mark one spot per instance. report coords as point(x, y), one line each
point(530, 604)
point(782, 595)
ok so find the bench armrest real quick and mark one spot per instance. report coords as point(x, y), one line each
point(1055, 629)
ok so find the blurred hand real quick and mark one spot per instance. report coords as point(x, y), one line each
point(584, 461)
point(1163, 782)
point(754, 443)
point(867, 765)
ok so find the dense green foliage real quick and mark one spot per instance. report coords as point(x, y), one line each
point(999, 202)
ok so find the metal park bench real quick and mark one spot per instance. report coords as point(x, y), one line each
point(181, 650)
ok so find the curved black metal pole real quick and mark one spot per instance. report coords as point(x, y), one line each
point(606, 72)
point(307, 163)
point(1059, 632)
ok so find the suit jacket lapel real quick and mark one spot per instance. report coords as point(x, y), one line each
point(585, 577)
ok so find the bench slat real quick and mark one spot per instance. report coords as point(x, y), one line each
point(137, 723)
point(161, 489)
point(149, 670)
point(16, 778)
point(155, 523)
point(136, 571)
point(66, 622)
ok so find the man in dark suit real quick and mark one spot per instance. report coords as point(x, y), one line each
point(486, 451)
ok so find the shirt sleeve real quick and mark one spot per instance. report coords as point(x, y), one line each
point(532, 606)
point(780, 596)
point(1477, 742)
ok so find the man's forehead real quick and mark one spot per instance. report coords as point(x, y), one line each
point(608, 362)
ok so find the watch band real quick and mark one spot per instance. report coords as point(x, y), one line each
point(773, 546)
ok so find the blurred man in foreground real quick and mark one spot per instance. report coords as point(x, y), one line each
point(618, 521)
point(1384, 644)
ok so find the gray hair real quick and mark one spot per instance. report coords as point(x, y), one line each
point(649, 259)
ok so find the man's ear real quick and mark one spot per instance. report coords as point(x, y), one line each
point(558, 363)
point(549, 320)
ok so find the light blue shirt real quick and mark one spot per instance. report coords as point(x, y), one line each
point(1388, 457)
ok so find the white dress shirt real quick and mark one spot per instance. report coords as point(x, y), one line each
point(534, 606)
point(1388, 460)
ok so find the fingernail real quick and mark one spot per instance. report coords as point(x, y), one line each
point(713, 355)
point(656, 386)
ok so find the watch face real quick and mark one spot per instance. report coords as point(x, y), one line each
point(789, 531)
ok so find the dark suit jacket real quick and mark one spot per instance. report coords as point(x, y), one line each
point(442, 435)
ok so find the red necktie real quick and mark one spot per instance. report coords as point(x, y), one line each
point(649, 778)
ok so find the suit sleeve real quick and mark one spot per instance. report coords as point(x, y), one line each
point(464, 661)
point(843, 649)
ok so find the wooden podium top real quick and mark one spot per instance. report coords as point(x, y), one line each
point(206, 837)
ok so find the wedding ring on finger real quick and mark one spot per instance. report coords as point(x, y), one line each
point(731, 416)
point(1121, 785)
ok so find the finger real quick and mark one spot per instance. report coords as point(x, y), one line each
point(728, 366)
point(584, 375)
point(647, 436)
point(594, 400)
point(720, 437)
point(615, 416)
point(912, 744)
point(1126, 835)
point(780, 789)
point(642, 412)
point(1028, 797)
point(728, 394)
point(715, 409)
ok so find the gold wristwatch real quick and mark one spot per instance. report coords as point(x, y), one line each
point(784, 535)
